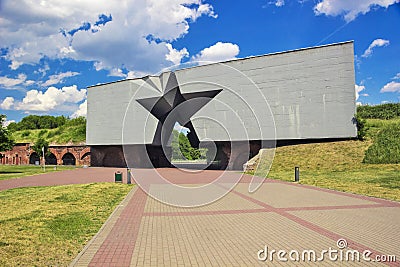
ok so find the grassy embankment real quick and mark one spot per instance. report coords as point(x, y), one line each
point(339, 165)
point(66, 134)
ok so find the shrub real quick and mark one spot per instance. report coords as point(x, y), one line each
point(78, 133)
point(386, 146)
point(361, 127)
point(42, 133)
point(383, 112)
point(26, 133)
point(39, 145)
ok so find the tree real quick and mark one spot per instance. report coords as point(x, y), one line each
point(12, 127)
point(77, 121)
point(176, 153)
point(39, 145)
point(182, 149)
point(33, 122)
point(185, 147)
point(30, 122)
point(6, 140)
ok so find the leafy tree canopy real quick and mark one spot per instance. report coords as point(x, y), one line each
point(39, 145)
point(6, 141)
point(182, 149)
point(33, 122)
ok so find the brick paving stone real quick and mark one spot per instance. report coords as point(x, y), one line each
point(295, 196)
point(377, 228)
point(95, 245)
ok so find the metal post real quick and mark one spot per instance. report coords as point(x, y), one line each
point(44, 160)
point(296, 174)
point(128, 179)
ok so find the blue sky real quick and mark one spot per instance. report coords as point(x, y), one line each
point(52, 50)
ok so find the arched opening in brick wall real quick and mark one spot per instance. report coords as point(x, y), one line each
point(85, 156)
point(33, 158)
point(51, 159)
point(68, 159)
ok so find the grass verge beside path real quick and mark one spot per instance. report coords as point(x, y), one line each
point(18, 171)
point(338, 166)
point(49, 226)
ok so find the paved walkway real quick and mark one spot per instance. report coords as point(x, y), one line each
point(75, 176)
point(237, 229)
point(233, 230)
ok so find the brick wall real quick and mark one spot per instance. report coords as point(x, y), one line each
point(22, 154)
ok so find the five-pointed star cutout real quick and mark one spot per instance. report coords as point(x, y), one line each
point(165, 105)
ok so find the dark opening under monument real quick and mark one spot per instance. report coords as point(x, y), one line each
point(234, 108)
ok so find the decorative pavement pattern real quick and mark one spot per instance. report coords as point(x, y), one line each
point(239, 228)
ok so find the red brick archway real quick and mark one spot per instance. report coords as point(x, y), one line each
point(21, 154)
point(76, 151)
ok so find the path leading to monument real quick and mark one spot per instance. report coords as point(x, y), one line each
point(76, 176)
point(234, 230)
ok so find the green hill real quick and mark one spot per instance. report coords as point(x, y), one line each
point(342, 165)
point(55, 130)
point(60, 135)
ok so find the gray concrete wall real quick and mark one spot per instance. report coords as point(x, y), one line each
point(107, 105)
point(302, 94)
point(310, 93)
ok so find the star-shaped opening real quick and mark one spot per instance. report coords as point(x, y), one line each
point(164, 107)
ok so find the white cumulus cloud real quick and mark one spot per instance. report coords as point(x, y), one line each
point(60, 77)
point(52, 99)
point(375, 43)
point(81, 111)
point(350, 9)
point(132, 75)
point(117, 72)
point(391, 87)
point(130, 34)
point(11, 82)
point(180, 128)
point(174, 55)
point(218, 52)
point(277, 3)
point(7, 103)
point(397, 76)
point(358, 89)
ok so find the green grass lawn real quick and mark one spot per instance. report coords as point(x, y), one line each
point(337, 165)
point(18, 171)
point(49, 226)
point(375, 125)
